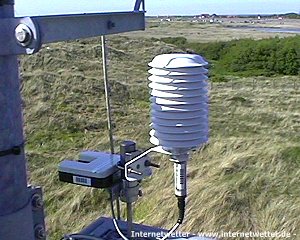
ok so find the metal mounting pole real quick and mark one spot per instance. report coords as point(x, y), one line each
point(130, 189)
point(15, 208)
point(21, 207)
point(129, 219)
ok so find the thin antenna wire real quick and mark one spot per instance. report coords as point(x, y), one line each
point(107, 95)
point(108, 107)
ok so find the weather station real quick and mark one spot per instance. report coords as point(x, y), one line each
point(179, 124)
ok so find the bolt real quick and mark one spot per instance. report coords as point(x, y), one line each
point(110, 25)
point(140, 193)
point(37, 201)
point(122, 193)
point(23, 34)
point(151, 164)
point(39, 232)
point(130, 170)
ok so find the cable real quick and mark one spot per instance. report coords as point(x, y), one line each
point(118, 208)
point(112, 203)
point(173, 229)
point(118, 229)
point(180, 198)
point(80, 237)
point(181, 208)
point(86, 237)
point(114, 217)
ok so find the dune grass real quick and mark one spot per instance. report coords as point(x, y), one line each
point(246, 178)
point(229, 29)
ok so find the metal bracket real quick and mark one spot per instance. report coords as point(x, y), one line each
point(137, 170)
point(30, 217)
point(26, 35)
point(132, 164)
point(38, 214)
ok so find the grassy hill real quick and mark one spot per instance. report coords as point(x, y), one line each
point(246, 178)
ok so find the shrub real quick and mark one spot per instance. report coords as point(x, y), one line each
point(248, 57)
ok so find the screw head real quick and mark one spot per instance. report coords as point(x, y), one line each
point(23, 34)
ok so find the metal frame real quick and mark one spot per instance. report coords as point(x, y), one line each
point(57, 28)
point(21, 210)
point(138, 5)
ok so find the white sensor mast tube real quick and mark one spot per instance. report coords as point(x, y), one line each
point(180, 178)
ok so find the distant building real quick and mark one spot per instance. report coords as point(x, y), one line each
point(205, 15)
point(165, 20)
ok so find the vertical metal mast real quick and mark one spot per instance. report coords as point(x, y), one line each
point(15, 209)
point(21, 207)
point(107, 94)
point(108, 108)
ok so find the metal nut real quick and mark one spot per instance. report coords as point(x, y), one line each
point(23, 34)
point(37, 201)
point(39, 232)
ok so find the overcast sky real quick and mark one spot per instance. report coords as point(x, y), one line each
point(158, 7)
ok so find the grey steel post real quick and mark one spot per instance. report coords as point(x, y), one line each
point(15, 209)
point(129, 215)
point(128, 195)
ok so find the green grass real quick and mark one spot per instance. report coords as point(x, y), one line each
point(246, 178)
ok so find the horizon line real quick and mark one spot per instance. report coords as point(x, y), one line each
point(226, 14)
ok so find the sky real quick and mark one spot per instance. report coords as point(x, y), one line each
point(158, 7)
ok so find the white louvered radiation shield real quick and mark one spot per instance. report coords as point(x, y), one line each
point(179, 101)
